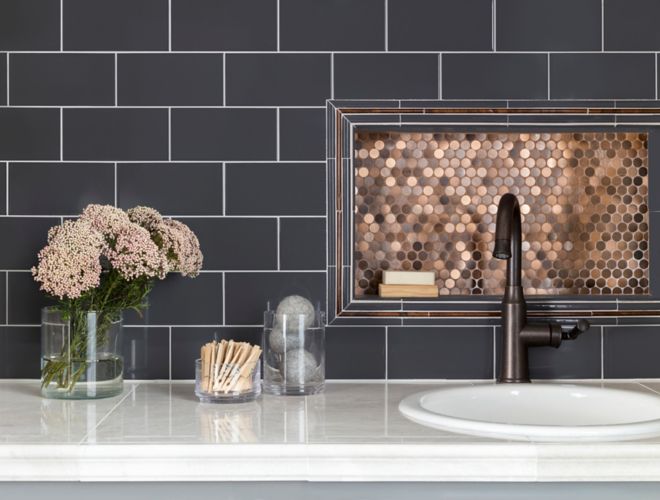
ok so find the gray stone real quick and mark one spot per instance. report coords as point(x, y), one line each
point(293, 307)
point(279, 343)
point(300, 367)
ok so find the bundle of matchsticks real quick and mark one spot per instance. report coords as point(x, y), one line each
point(227, 366)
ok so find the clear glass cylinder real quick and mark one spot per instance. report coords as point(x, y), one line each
point(294, 353)
point(80, 354)
point(236, 390)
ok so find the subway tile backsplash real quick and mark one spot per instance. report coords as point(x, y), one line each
point(214, 111)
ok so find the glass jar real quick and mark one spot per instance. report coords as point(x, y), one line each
point(294, 353)
point(80, 354)
point(240, 391)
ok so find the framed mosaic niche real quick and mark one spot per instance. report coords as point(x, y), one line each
point(415, 185)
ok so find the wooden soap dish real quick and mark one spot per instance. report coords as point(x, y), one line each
point(401, 291)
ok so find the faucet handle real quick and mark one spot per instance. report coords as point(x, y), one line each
point(570, 331)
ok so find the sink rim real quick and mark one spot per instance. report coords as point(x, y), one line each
point(411, 407)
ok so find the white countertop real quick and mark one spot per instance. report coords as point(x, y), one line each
point(352, 432)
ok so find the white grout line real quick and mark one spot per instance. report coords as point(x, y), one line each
point(61, 25)
point(219, 216)
point(169, 25)
point(602, 25)
point(307, 52)
point(387, 47)
point(169, 352)
point(115, 173)
point(602, 353)
point(224, 188)
point(548, 75)
point(61, 134)
point(277, 134)
point(116, 83)
point(224, 79)
point(224, 301)
point(494, 353)
point(332, 76)
point(6, 298)
point(279, 227)
point(169, 134)
point(387, 352)
point(440, 76)
point(494, 25)
point(656, 75)
point(111, 106)
point(8, 103)
point(7, 188)
point(278, 25)
point(219, 160)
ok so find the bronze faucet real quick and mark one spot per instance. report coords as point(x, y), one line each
point(518, 335)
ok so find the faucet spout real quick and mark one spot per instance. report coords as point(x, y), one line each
point(508, 237)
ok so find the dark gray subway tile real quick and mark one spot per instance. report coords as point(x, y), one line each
point(631, 351)
point(302, 134)
point(29, 134)
point(277, 79)
point(146, 352)
point(573, 359)
point(523, 25)
point(631, 25)
point(171, 188)
point(115, 134)
point(24, 299)
point(344, 345)
point(602, 76)
point(248, 293)
point(30, 25)
point(23, 237)
point(187, 342)
point(332, 25)
point(386, 76)
point(224, 134)
point(182, 301)
point(302, 243)
point(225, 25)
point(62, 79)
point(115, 24)
point(236, 244)
point(275, 189)
point(3, 79)
point(494, 76)
point(440, 353)
point(58, 188)
point(169, 79)
point(440, 25)
point(20, 352)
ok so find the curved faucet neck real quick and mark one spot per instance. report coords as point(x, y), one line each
point(508, 237)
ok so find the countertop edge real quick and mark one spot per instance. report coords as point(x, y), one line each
point(323, 462)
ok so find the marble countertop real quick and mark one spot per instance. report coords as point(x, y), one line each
point(351, 432)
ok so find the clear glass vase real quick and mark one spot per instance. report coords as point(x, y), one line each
point(294, 353)
point(80, 354)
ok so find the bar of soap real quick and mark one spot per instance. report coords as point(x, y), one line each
point(398, 291)
point(408, 278)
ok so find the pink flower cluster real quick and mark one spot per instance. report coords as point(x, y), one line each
point(175, 240)
point(136, 244)
point(69, 265)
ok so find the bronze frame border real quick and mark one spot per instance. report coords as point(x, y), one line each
point(336, 116)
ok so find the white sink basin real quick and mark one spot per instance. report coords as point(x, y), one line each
point(538, 412)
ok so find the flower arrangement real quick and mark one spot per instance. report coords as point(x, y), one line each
point(106, 261)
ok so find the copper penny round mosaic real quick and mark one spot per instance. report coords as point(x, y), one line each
point(427, 201)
